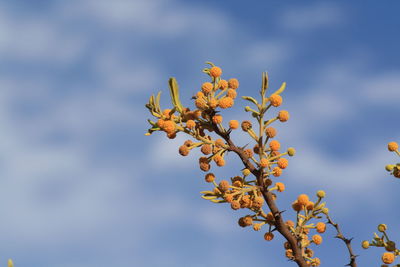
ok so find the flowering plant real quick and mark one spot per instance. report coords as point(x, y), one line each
point(255, 188)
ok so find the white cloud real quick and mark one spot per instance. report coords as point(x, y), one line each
point(312, 17)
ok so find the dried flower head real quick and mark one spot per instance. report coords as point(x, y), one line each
point(310, 205)
point(188, 143)
point(210, 177)
point(258, 202)
point(246, 125)
point(224, 185)
point(219, 160)
point(204, 164)
point(268, 236)
point(206, 149)
point(270, 132)
point(247, 220)
point(296, 206)
point(235, 205)
point(184, 150)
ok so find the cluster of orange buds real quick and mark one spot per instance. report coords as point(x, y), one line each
point(392, 251)
point(217, 93)
point(307, 210)
point(265, 158)
point(394, 169)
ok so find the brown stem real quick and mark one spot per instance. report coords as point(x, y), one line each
point(347, 241)
point(279, 222)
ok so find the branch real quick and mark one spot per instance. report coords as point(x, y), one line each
point(279, 222)
point(346, 241)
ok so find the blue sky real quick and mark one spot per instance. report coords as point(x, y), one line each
point(81, 186)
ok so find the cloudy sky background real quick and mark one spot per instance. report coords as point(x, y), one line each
point(81, 186)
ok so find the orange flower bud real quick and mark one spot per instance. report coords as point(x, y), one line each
point(231, 93)
point(283, 115)
point(215, 72)
point(283, 163)
point(388, 258)
point(274, 145)
point(321, 227)
point(217, 119)
point(222, 84)
point(393, 146)
point(281, 186)
point(317, 239)
point(270, 132)
point(276, 100)
point(277, 171)
point(190, 124)
point(233, 83)
point(210, 177)
point(264, 162)
point(303, 199)
point(234, 124)
point(268, 236)
point(207, 88)
point(226, 102)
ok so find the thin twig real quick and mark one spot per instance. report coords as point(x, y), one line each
point(347, 241)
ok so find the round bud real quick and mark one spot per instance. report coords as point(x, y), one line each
point(382, 227)
point(393, 146)
point(246, 172)
point(389, 167)
point(233, 83)
point(210, 177)
point(365, 244)
point(321, 193)
point(388, 257)
point(215, 71)
point(291, 151)
point(268, 236)
point(246, 125)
